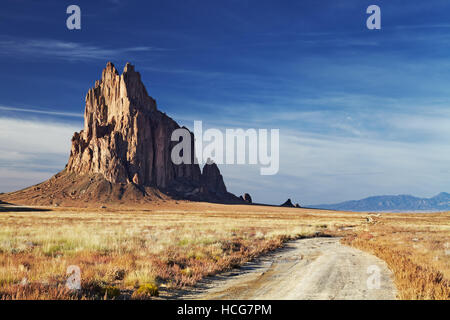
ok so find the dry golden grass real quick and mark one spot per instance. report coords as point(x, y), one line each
point(171, 245)
point(415, 247)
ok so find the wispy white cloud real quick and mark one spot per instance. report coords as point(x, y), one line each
point(427, 126)
point(32, 150)
point(315, 167)
point(332, 155)
point(423, 26)
point(34, 136)
point(65, 50)
point(20, 178)
point(46, 112)
point(197, 73)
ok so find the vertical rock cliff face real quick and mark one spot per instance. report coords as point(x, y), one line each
point(126, 139)
point(123, 154)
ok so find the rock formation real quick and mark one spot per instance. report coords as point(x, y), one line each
point(246, 197)
point(211, 180)
point(288, 203)
point(125, 148)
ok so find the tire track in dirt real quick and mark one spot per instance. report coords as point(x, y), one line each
point(317, 268)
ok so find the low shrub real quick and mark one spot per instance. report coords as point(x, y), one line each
point(146, 291)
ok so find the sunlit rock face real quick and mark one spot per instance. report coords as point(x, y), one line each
point(128, 140)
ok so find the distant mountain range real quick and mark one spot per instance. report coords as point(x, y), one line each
point(441, 202)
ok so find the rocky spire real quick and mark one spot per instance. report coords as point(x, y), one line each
point(212, 180)
point(127, 140)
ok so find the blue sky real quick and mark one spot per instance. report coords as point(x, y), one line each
point(360, 112)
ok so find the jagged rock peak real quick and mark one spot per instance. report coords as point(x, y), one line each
point(212, 180)
point(288, 203)
point(125, 137)
point(128, 68)
point(127, 140)
point(247, 198)
point(128, 86)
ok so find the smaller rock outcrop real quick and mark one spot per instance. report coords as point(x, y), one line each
point(297, 205)
point(247, 198)
point(288, 203)
point(212, 181)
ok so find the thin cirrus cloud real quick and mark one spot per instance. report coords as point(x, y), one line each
point(32, 150)
point(43, 112)
point(65, 50)
point(26, 138)
point(16, 179)
point(337, 155)
point(313, 166)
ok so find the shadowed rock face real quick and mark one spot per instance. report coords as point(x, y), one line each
point(247, 198)
point(127, 140)
point(123, 154)
point(288, 203)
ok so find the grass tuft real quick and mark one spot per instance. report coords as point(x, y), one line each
point(146, 291)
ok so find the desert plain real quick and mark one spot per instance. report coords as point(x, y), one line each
point(163, 250)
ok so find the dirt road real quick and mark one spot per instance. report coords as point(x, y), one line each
point(318, 268)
